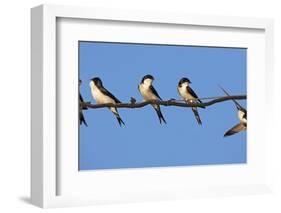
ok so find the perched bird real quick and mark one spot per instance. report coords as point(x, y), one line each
point(103, 96)
point(81, 116)
point(149, 93)
point(189, 96)
point(242, 115)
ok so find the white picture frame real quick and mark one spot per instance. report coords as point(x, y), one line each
point(48, 166)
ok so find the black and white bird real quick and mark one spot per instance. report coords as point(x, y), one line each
point(242, 116)
point(149, 93)
point(103, 96)
point(81, 116)
point(189, 96)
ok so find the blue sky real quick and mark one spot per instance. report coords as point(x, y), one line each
point(143, 142)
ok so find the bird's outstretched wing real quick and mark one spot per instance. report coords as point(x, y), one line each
point(238, 106)
point(190, 91)
point(155, 92)
point(237, 128)
point(106, 92)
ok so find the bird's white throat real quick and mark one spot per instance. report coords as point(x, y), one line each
point(98, 95)
point(92, 85)
point(147, 82)
point(185, 84)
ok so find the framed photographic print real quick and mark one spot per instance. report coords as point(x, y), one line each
point(130, 106)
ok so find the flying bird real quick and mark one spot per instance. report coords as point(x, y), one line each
point(149, 93)
point(242, 116)
point(81, 116)
point(103, 96)
point(189, 96)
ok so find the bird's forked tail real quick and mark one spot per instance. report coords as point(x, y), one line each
point(159, 113)
point(115, 112)
point(196, 114)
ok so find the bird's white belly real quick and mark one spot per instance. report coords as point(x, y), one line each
point(184, 94)
point(146, 93)
point(240, 116)
point(100, 97)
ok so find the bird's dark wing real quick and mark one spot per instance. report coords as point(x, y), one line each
point(81, 100)
point(106, 92)
point(245, 113)
point(190, 91)
point(237, 128)
point(236, 103)
point(155, 92)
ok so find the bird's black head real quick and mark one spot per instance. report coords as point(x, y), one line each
point(97, 81)
point(184, 80)
point(147, 77)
